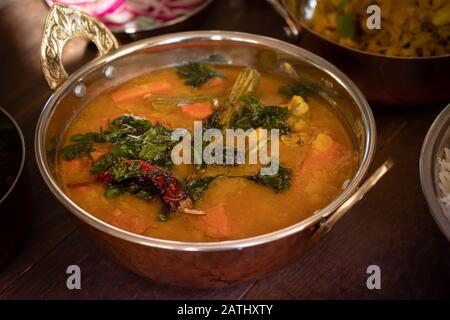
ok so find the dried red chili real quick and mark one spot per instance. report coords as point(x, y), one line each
point(170, 189)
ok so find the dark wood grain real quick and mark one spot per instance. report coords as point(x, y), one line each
point(391, 227)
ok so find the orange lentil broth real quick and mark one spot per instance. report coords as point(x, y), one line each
point(249, 208)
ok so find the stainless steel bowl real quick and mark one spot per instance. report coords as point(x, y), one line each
point(386, 80)
point(209, 264)
point(437, 138)
point(15, 212)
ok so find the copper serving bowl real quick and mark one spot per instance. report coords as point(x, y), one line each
point(385, 80)
point(210, 264)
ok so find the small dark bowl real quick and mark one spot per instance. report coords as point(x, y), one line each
point(14, 211)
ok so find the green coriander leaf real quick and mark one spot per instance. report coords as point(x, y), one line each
point(196, 74)
point(77, 150)
point(254, 115)
point(104, 163)
point(280, 181)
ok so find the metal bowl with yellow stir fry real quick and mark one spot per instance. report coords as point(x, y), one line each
point(409, 28)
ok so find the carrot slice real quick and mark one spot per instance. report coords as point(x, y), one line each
point(151, 88)
point(76, 185)
point(325, 156)
point(326, 153)
point(81, 189)
point(215, 223)
point(126, 221)
point(198, 110)
point(214, 82)
point(105, 124)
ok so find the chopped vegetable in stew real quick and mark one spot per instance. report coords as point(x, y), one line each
point(197, 74)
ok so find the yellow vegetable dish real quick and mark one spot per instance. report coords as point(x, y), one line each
point(409, 28)
point(116, 159)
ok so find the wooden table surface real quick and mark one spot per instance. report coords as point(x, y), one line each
point(391, 227)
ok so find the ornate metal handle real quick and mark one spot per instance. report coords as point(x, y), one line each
point(326, 225)
point(62, 24)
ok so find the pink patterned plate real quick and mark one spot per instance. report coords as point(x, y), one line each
point(132, 16)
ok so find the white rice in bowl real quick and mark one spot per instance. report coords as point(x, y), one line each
point(444, 181)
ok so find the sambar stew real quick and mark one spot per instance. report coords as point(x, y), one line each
point(116, 164)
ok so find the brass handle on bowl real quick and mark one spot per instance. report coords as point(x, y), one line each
point(327, 224)
point(62, 24)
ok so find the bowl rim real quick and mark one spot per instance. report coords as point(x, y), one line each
point(427, 162)
point(22, 159)
point(213, 36)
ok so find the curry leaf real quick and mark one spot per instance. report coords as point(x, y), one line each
point(156, 146)
point(88, 137)
point(77, 150)
point(132, 124)
point(113, 191)
point(254, 115)
point(126, 170)
point(131, 138)
point(196, 187)
point(104, 163)
point(293, 90)
point(213, 121)
point(197, 74)
point(280, 181)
